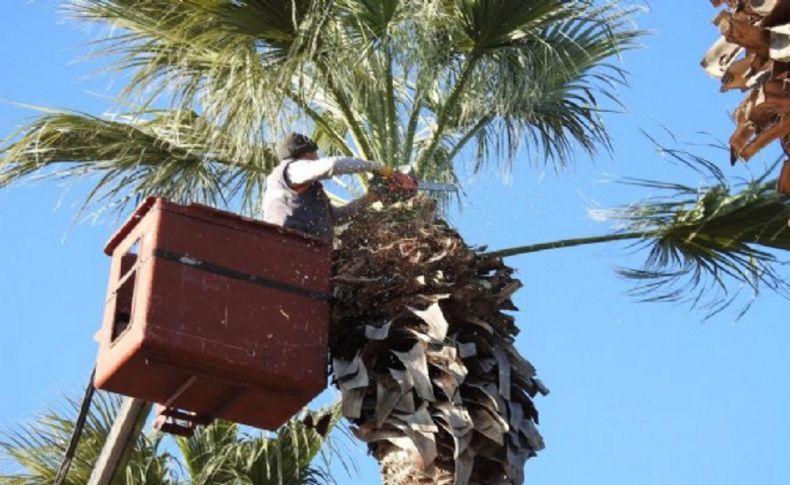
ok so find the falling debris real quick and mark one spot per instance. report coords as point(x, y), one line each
point(423, 352)
point(753, 55)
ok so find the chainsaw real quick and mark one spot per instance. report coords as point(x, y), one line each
point(402, 184)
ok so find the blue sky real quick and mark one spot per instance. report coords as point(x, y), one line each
point(641, 393)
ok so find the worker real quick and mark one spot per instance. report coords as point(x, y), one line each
point(294, 196)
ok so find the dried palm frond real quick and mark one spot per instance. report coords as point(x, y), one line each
point(423, 352)
point(752, 55)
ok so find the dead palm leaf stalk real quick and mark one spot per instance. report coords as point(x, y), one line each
point(423, 353)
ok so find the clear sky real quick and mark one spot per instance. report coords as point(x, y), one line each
point(641, 393)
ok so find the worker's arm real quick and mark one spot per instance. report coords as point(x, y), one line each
point(344, 213)
point(305, 172)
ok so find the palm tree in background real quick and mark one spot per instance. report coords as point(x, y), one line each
point(217, 454)
point(212, 83)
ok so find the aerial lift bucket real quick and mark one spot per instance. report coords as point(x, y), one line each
point(213, 315)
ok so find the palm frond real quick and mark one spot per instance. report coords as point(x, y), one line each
point(162, 154)
point(543, 91)
point(36, 449)
point(395, 81)
point(707, 244)
point(372, 18)
point(227, 59)
point(284, 459)
point(490, 24)
point(208, 455)
point(215, 455)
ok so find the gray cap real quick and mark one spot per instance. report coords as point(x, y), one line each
point(295, 144)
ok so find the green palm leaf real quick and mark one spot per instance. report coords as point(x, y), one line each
point(490, 24)
point(36, 449)
point(706, 244)
point(399, 82)
point(215, 455)
point(542, 89)
point(208, 453)
point(162, 154)
point(228, 59)
point(220, 453)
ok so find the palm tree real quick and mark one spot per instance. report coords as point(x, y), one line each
point(402, 82)
point(430, 378)
point(424, 355)
point(215, 454)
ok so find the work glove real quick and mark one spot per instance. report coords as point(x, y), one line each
point(385, 172)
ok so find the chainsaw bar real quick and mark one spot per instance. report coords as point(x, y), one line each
point(426, 186)
point(436, 187)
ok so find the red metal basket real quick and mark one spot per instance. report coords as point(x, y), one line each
point(216, 314)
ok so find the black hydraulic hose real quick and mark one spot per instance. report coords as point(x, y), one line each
point(77, 433)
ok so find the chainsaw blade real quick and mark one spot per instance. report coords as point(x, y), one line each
point(426, 186)
point(436, 187)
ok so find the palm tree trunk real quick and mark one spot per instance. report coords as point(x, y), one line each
point(423, 352)
point(398, 467)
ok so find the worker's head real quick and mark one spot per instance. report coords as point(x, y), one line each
point(297, 146)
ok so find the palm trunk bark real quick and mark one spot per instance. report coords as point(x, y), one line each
point(398, 467)
point(423, 354)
